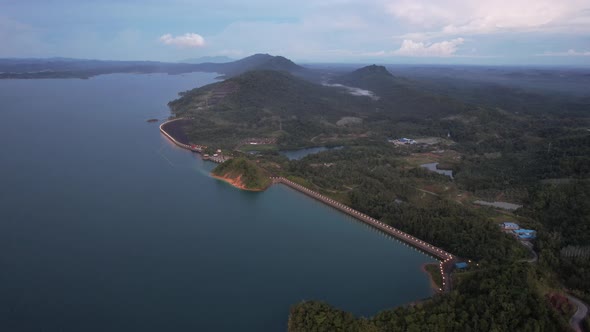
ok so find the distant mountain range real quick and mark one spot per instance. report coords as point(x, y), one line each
point(75, 68)
point(413, 90)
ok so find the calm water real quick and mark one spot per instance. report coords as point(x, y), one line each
point(105, 226)
point(433, 167)
point(301, 153)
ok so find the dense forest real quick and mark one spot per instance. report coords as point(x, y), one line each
point(563, 213)
point(496, 299)
point(378, 178)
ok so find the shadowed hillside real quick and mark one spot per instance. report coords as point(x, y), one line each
point(268, 103)
point(400, 97)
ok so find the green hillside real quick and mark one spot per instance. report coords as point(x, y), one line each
point(243, 174)
point(254, 62)
point(267, 104)
point(270, 103)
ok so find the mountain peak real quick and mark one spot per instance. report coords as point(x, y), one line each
point(371, 77)
point(259, 56)
point(260, 62)
point(373, 70)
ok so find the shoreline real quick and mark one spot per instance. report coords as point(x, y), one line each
point(445, 259)
point(170, 137)
point(194, 148)
point(433, 284)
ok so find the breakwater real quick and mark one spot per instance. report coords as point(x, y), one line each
point(192, 147)
point(446, 259)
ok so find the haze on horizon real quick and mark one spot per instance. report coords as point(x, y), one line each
point(500, 32)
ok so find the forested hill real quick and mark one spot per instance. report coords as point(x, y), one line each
point(268, 103)
point(277, 93)
point(265, 103)
point(253, 62)
point(400, 97)
point(263, 61)
point(370, 77)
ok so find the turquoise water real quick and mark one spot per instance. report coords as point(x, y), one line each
point(107, 226)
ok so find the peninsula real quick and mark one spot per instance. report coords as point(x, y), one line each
point(243, 174)
point(389, 126)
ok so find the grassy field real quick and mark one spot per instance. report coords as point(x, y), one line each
point(258, 147)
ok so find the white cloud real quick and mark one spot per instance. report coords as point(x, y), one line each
point(22, 40)
point(375, 54)
point(420, 49)
point(411, 48)
point(436, 18)
point(570, 52)
point(185, 41)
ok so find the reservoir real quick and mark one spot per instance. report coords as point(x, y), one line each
point(105, 225)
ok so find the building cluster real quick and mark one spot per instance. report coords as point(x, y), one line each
point(520, 233)
point(402, 141)
point(197, 147)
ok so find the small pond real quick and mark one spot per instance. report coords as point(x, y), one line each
point(434, 167)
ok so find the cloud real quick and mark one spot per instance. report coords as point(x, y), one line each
point(305, 30)
point(184, 41)
point(570, 52)
point(445, 48)
point(21, 40)
point(411, 48)
point(375, 54)
point(435, 18)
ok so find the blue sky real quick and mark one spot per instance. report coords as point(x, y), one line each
point(499, 32)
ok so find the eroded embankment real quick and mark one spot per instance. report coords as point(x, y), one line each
point(236, 182)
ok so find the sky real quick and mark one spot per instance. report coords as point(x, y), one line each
point(494, 32)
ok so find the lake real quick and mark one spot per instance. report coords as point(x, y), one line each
point(107, 226)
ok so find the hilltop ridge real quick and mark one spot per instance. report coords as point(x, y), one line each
point(254, 62)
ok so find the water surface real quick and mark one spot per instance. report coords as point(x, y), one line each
point(107, 226)
point(433, 167)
